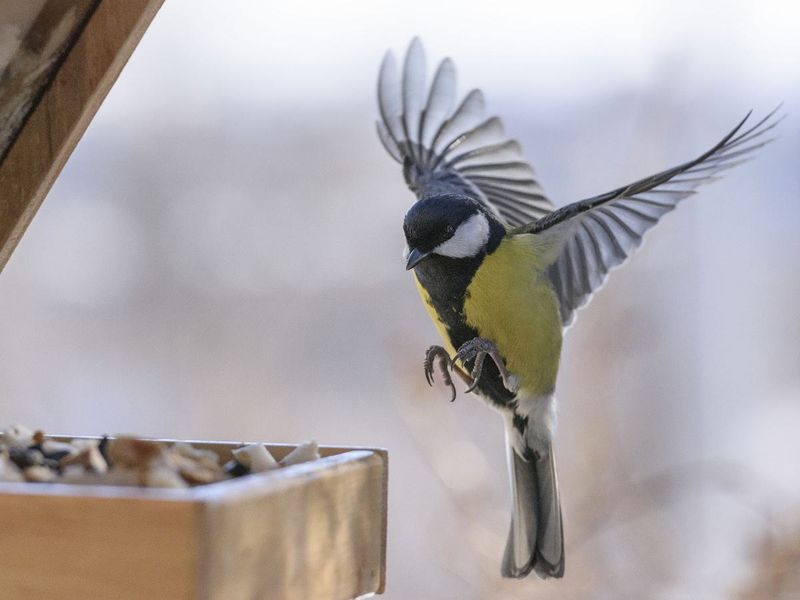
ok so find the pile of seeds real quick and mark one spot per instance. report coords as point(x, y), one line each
point(27, 455)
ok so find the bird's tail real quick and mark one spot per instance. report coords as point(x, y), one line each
point(536, 538)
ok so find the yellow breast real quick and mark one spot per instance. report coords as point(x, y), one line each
point(440, 327)
point(511, 303)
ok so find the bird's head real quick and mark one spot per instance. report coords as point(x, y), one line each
point(447, 225)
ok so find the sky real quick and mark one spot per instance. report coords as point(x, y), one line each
point(294, 54)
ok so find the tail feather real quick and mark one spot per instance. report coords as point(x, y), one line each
point(536, 537)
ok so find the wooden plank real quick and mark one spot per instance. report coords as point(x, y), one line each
point(64, 111)
point(36, 34)
point(74, 548)
point(311, 536)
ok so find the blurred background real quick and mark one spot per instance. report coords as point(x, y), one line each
point(221, 259)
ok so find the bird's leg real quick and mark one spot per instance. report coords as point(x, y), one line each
point(439, 354)
point(479, 348)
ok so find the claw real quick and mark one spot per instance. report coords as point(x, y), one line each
point(432, 354)
point(476, 348)
point(476, 371)
point(479, 348)
point(444, 363)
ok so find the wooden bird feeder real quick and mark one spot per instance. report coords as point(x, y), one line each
point(311, 531)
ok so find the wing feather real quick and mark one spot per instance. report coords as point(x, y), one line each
point(467, 116)
point(441, 99)
point(413, 95)
point(447, 149)
point(389, 100)
point(601, 232)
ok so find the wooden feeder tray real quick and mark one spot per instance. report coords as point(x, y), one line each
point(315, 530)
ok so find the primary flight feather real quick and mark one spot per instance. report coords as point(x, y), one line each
point(502, 272)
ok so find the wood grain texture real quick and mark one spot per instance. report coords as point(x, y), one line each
point(58, 120)
point(77, 547)
point(326, 542)
point(315, 530)
point(35, 34)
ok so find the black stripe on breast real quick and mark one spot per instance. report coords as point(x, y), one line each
point(446, 280)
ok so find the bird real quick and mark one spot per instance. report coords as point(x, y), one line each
point(502, 272)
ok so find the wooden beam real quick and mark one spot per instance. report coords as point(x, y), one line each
point(38, 33)
point(63, 113)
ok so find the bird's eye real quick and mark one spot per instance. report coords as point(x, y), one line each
point(449, 229)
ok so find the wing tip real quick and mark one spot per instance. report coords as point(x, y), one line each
point(415, 51)
point(387, 70)
point(447, 64)
point(476, 95)
point(388, 57)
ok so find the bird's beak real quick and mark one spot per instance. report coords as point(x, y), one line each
point(414, 257)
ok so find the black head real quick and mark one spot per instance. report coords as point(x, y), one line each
point(449, 225)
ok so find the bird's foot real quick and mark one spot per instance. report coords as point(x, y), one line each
point(438, 355)
point(479, 348)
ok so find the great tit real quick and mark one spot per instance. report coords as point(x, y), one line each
point(502, 272)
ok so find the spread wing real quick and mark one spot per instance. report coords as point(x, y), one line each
point(599, 233)
point(448, 147)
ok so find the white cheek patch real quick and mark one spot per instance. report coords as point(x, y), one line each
point(468, 240)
